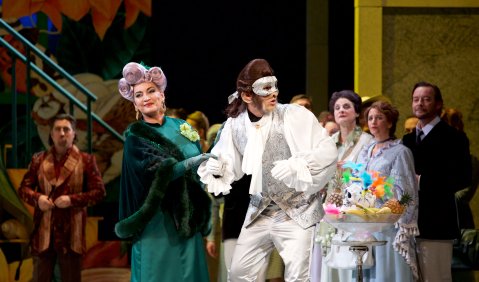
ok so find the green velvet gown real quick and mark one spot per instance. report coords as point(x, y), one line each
point(165, 215)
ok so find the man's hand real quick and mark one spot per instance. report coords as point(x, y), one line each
point(215, 167)
point(281, 170)
point(63, 202)
point(45, 204)
point(211, 249)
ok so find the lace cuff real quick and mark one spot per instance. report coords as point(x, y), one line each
point(300, 178)
point(215, 184)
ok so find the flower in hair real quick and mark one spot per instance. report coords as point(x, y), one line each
point(188, 132)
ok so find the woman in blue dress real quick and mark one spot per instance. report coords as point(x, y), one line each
point(395, 261)
point(163, 208)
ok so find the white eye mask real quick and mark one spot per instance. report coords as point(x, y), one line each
point(265, 86)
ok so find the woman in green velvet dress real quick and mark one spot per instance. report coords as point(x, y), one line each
point(163, 208)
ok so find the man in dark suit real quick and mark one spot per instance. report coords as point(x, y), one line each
point(443, 166)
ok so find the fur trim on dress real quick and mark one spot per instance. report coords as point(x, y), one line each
point(182, 198)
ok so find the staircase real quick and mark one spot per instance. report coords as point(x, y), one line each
point(31, 66)
point(16, 154)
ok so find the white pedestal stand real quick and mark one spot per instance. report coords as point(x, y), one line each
point(359, 248)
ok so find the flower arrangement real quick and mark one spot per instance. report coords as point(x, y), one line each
point(357, 189)
point(188, 132)
point(370, 182)
point(366, 196)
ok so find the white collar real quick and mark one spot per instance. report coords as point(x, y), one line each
point(428, 127)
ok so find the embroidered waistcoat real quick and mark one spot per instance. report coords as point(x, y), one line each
point(303, 209)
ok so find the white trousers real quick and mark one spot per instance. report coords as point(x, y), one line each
point(256, 242)
point(435, 257)
point(229, 248)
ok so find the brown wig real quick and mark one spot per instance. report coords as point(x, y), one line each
point(391, 113)
point(253, 71)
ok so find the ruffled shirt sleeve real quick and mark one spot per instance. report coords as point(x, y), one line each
point(405, 182)
point(227, 153)
point(314, 153)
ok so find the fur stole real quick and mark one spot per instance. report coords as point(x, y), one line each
point(183, 198)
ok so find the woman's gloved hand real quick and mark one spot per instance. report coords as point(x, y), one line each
point(180, 168)
point(197, 160)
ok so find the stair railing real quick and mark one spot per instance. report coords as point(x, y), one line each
point(31, 66)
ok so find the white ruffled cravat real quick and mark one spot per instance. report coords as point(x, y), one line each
point(253, 153)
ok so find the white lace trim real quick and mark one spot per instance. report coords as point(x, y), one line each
point(220, 185)
point(257, 133)
point(402, 244)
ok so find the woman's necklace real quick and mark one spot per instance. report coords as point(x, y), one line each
point(379, 145)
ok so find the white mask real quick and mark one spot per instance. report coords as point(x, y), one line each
point(265, 86)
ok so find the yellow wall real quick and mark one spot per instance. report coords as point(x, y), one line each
point(398, 43)
point(401, 42)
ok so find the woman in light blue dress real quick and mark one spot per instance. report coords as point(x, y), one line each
point(395, 261)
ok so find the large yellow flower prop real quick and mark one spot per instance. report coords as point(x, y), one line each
point(103, 11)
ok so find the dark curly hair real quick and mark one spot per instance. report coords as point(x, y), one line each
point(346, 94)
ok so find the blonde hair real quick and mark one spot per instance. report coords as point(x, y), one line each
point(200, 120)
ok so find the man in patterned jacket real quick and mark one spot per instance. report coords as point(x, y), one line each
point(289, 156)
point(60, 183)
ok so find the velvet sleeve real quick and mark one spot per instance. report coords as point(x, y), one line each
point(27, 190)
point(403, 172)
point(138, 170)
point(93, 186)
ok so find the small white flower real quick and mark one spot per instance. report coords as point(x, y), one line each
point(188, 132)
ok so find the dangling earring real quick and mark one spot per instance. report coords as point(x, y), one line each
point(137, 114)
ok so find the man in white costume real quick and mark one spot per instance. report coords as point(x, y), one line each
point(290, 158)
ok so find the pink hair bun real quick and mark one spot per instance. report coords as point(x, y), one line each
point(125, 89)
point(134, 73)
